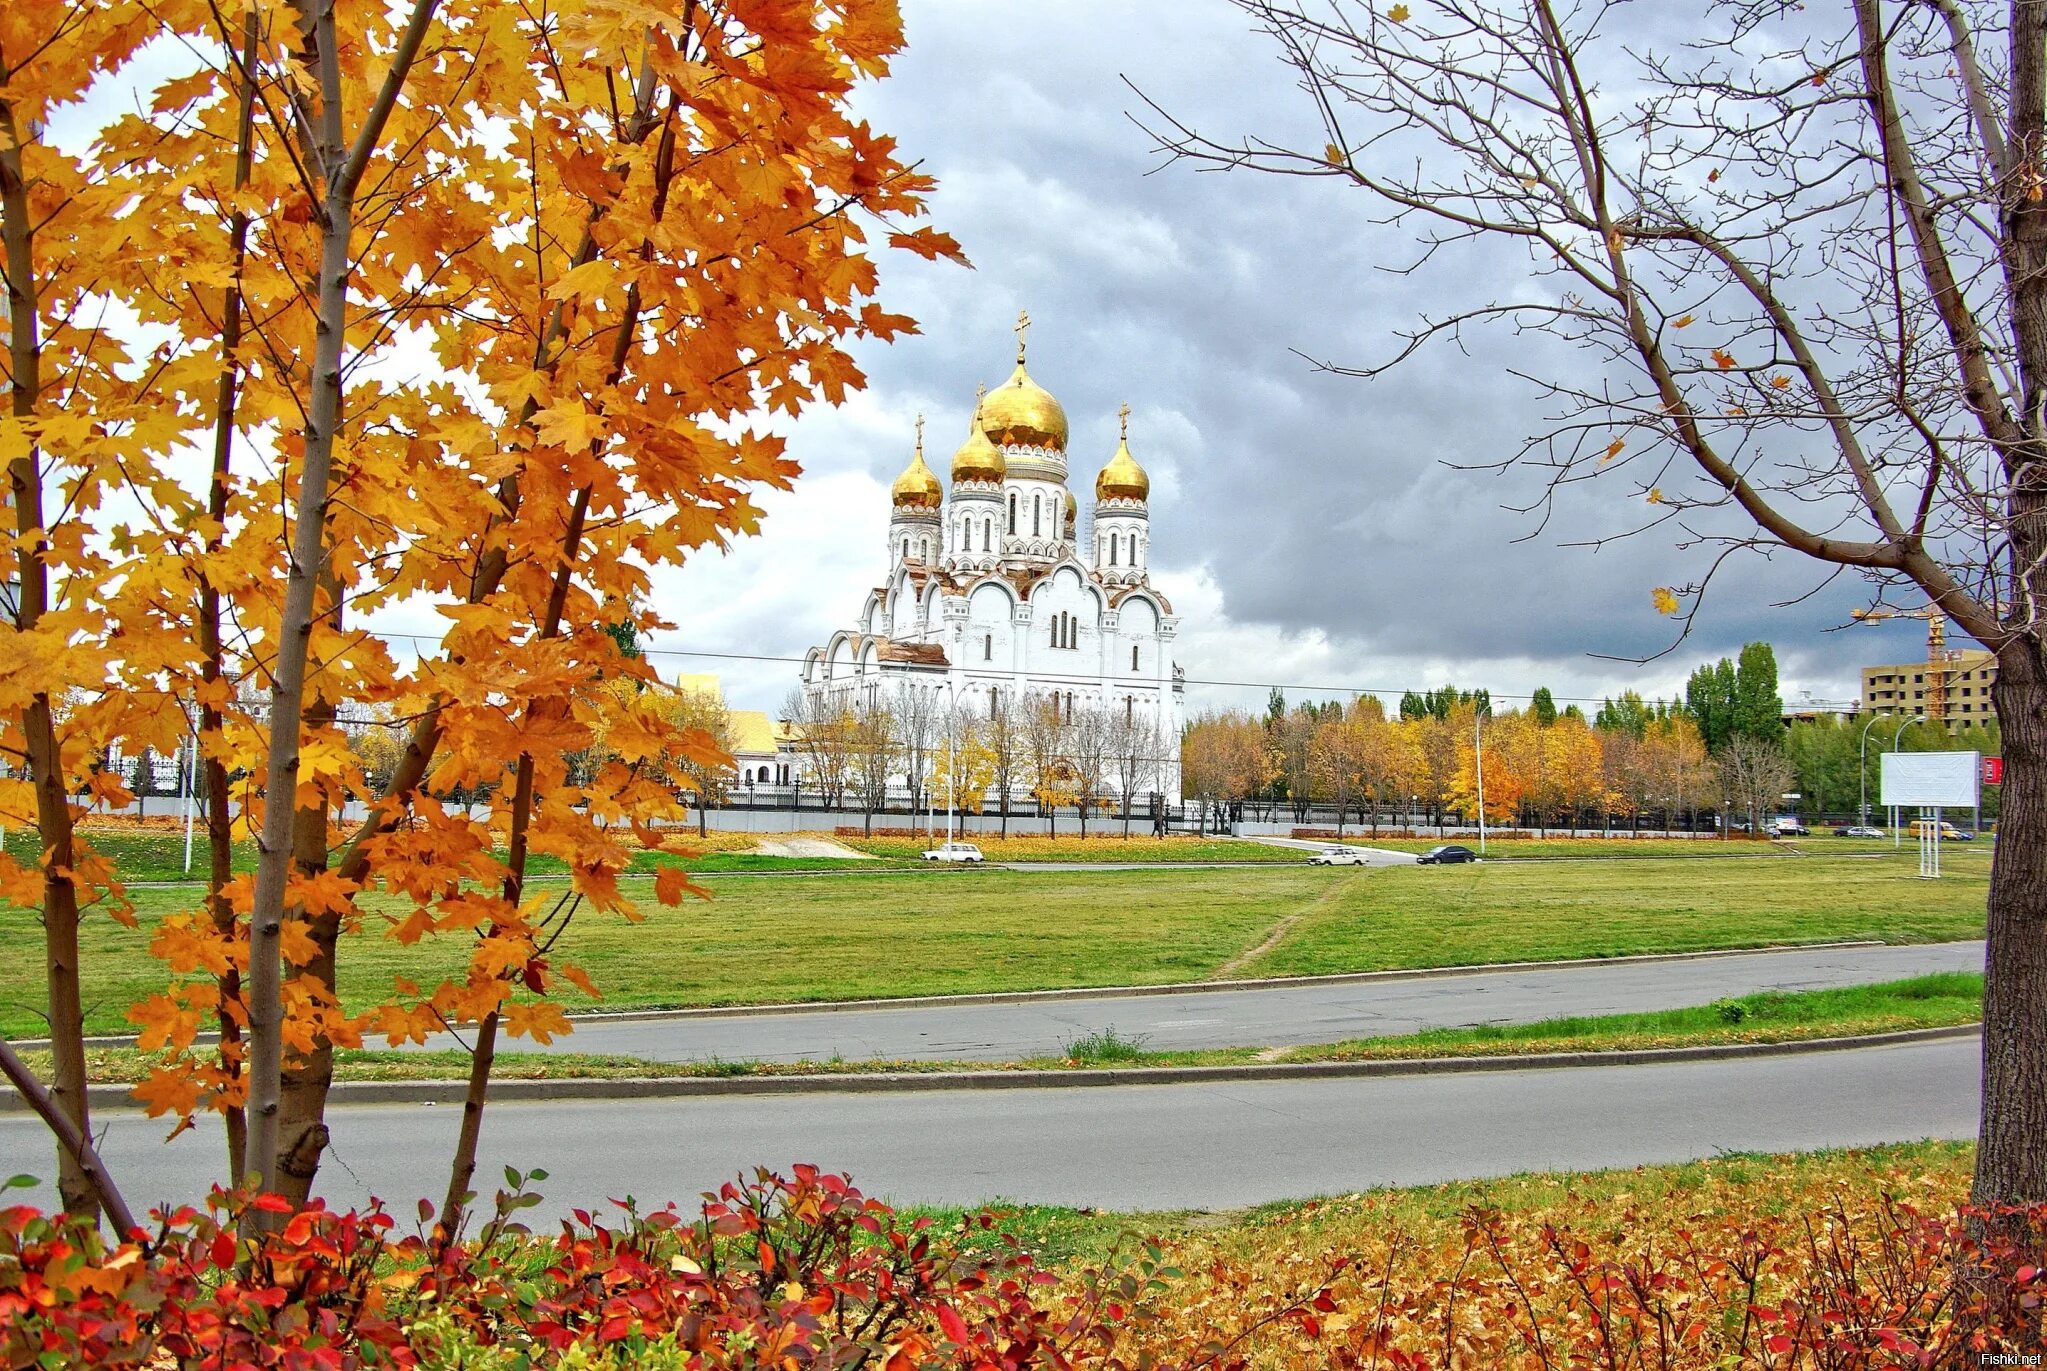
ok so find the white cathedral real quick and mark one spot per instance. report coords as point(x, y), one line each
point(994, 591)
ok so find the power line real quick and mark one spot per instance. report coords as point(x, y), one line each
point(417, 638)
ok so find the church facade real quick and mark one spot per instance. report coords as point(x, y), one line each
point(997, 589)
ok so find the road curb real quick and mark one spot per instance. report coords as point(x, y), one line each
point(688, 1087)
point(1115, 992)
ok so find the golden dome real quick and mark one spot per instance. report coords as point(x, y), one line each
point(1072, 511)
point(978, 459)
point(1123, 478)
point(917, 487)
point(1019, 413)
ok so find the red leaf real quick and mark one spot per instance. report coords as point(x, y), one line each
point(223, 1250)
point(955, 1327)
point(273, 1204)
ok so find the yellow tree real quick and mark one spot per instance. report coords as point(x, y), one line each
point(1337, 764)
point(1047, 771)
point(83, 415)
point(610, 297)
point(1575, 766)
point(1506, 784)
point(962, 772)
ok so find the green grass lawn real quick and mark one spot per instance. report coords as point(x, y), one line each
point(921, 932)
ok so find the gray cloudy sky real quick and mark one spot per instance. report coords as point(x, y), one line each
point(1306, 526)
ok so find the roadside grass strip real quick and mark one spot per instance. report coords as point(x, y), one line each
point(1733, 1184)
point(1935, 1001)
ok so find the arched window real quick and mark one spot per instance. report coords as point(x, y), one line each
point(1133, 549)
point(987, 647)
point(1133, 656)
point(994, 701)
point(1113, 540)
point(1036, 527)
point(1012, 514)
point(987, 533)
point(906, 549)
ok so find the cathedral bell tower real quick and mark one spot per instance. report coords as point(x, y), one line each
point(913, 530)
point(1122, 519)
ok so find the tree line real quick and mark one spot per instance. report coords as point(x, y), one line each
point(1723, 748)
point(922, 744)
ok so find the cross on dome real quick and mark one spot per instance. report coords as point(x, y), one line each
point(1023, 324)
point(1123, 423)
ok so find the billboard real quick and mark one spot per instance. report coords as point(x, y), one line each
point(1946, 780)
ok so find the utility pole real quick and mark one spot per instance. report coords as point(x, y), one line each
point(1478, 765)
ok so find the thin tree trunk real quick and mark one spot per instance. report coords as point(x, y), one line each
point(70, 1138)
point(303, 1086)
point(483, 1056)
point(308, 558)
point(38, 722)
point(212, 669)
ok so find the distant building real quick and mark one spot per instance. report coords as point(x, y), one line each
point(1808, 710)
point(1903, 688)
point(762, 748)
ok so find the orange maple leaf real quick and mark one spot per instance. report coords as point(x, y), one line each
point(931, 244)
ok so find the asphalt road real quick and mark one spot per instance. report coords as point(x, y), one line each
point(1289, 1015)
point(1128, 1147)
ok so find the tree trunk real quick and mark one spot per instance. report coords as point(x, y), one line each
point(38, 723)
point(2011, 1150)
point(303, 1084)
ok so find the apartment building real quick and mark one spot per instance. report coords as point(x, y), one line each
point(1905, 688)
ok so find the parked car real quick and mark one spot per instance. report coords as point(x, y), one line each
point(1338, 856)
point(1859, 831)
point(1948, 832)
point(1449, 854)
point(1789, 826)
point(954, 852)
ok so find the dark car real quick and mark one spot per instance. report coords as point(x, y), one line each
point(1449, 854)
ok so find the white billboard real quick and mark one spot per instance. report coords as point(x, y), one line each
point(1946, 780)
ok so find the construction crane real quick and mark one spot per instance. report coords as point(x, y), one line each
point(1939, 660)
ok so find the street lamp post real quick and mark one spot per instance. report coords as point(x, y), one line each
point(952, 780)
point(1862, 774)
point(1897, 745)
point(1478, 765)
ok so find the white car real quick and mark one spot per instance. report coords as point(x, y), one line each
point(954, 852)
point(1338, 856)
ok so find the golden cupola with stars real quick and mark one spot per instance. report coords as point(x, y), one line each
point(978, 459)
point(917, 487)
point(1123, 478)
point(1020, 412)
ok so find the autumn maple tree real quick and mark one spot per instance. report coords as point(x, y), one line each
point(469, 304)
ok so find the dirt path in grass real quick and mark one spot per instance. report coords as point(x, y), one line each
point(1277, 934)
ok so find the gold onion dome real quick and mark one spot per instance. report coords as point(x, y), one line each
point(978, 459)
point(917, 487)
point(1020, 413)
point(1072, 511)
point(1123, 478)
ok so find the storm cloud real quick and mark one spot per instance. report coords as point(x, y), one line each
point(1312, 529)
